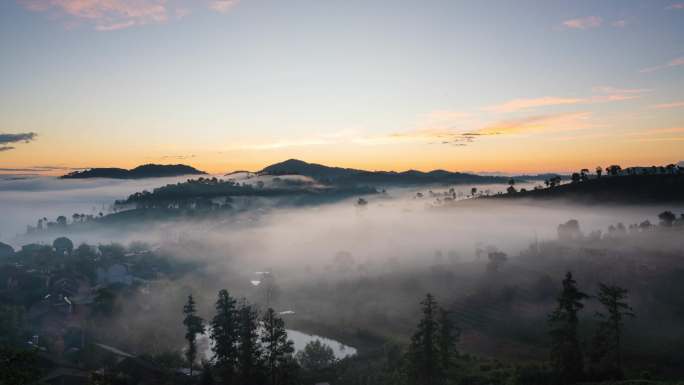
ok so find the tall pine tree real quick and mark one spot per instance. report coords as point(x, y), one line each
point(249, 355)
point(607, 342)
point(566, 352)
point(224, 334)
point(447, 338)
point(194, 325)
point(423, 359)
point(277, 348)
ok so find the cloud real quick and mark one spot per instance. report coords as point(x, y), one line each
point(15, 138)
point(178, 157)
point(110, 15)
point(523, 104)
point(537, 123)
point(583, 23)
point(602, 94)
point(675, 6)
point(672, 63)
point(282, 144)
point(223, 6)
point(619, 23)
point(668, 105)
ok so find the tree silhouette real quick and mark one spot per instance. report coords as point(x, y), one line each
point(447, 338)
point(249, 355)
point(194, 325)
point(424, 366)
point(277, 348)
point(316, 356)
point(607, 342)
point(576, 177)
point(566, 353)
point(599, 171)
point(224, 334)
point(667, 218)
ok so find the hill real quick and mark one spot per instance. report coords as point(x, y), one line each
point(350, 176)
point(660, 188)
point(144, 171)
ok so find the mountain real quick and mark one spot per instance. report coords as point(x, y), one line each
point(312, 170)
point(144, 171)
point(338, 175)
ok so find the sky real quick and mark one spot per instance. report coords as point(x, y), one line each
point(223, 85)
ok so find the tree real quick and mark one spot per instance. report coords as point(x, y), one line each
point(224, 334)
point(249, 357)
point(584, 174)
point(608, 338)
point(63, 246)
point(473, 191)
point(104, 303)
point(18, 366)
point(61, 221)
point(599, 171)
point(194, 325)
point(277, 348)
point(667, 218)
point(423, 359)
point(613, 170)
point(316, 356)
point(566, 353)
point(576, 177)
point(447, 338)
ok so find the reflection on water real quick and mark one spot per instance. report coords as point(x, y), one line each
point(300, 340)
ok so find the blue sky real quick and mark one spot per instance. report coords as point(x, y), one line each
point(239, 84)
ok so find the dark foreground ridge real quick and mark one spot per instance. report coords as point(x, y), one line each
point(637, 189)
point(144, 171)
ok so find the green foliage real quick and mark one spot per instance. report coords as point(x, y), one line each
point(17, 366)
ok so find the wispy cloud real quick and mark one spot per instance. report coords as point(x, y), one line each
point(6, 139)
point(675, 6)
point(602, 94)
point(223, 6)
point(278, 144)
point(539, 123)
point(672, 63)
point(530, 124)
point(619, 23)
point(665, 106)
point(583, 22)
point(109, 15)
point(523, 104)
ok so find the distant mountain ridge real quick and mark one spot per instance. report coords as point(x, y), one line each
point(339, 175)
point(140, 172)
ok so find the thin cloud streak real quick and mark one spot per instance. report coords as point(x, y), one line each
point(583, 22)
point(665, 106)
point(672, 63)
point(111, 15)
point(605, 94)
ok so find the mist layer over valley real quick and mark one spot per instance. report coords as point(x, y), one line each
point(351, 264)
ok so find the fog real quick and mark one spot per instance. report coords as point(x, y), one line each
point(341, 267)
